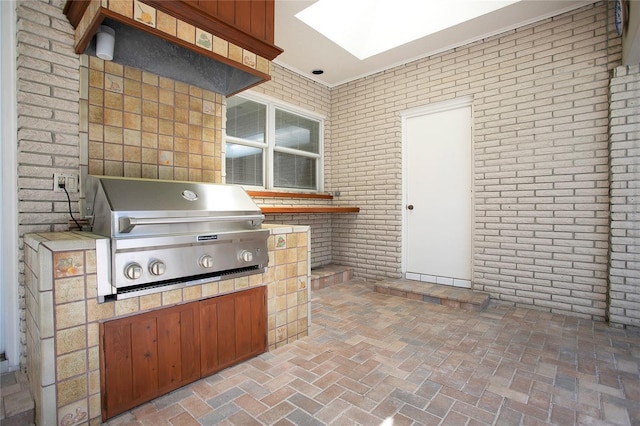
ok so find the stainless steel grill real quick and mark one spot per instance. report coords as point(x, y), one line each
point(168, 234)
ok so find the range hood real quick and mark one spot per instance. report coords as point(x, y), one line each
point(187, 41)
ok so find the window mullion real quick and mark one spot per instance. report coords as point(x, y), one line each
point(320, 161)
point(271, 141)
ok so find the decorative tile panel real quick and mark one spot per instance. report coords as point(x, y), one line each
point(249, 58)
point(144, 13)
point(204, 39)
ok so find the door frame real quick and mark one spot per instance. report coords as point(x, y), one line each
point(466, 101)
point(9, 236)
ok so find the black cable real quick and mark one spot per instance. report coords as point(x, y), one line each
point(71, 214)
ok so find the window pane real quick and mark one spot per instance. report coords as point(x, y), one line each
point(246, 119)
point(296, 132)
point(244, 165)
point(294, 171)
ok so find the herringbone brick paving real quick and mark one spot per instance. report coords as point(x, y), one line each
point(373, 357)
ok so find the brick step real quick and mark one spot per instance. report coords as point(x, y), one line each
point(324, 276)
point(454, 297)
point(17, 408)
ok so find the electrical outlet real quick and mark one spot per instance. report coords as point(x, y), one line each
point(68, 180)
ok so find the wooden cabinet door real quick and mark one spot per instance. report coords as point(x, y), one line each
point(232, 329)
point(147, 355)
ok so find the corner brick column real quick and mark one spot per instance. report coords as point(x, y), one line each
point(624, 268)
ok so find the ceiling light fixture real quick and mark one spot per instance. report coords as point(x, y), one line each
point(105, 42)
point(365, 28)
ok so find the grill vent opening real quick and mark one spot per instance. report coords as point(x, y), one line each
point(142, 289)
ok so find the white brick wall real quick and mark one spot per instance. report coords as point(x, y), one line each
point(47, 95)
point(540, 106)
point(624, 272)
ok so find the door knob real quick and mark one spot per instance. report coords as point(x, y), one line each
point(410, 207)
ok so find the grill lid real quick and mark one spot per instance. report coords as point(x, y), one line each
point(129, 207)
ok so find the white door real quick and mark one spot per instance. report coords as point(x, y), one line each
point(438, 194)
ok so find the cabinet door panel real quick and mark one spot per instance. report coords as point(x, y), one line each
point(208, 336)
point(148, 355)
point(252, 16)
point(177, 344)
point(226, 331)
point(190, 343)
point(226, 10)
point(243, 15)
point(243, 325)
point(169, 355)
point(144, 348)
point(258, 317)
point(258, 18)
point(232, 329)
point(117, 367)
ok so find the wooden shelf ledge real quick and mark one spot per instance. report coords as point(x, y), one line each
point(308, 209)
point(300, 209)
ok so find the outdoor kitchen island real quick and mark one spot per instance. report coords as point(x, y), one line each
point(64, 316)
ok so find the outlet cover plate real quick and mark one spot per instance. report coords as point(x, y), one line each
point(70, 181)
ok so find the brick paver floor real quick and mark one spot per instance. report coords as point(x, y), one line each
point(373, 358)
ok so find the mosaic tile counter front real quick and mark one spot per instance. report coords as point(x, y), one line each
point(63, 314)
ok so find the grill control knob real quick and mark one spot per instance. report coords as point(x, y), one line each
point(157, 267)
point(133, 271)
point(206, 261)
point(247, 256)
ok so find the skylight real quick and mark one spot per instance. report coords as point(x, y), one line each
point(365, 28)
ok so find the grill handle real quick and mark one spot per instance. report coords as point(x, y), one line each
point(126, 224)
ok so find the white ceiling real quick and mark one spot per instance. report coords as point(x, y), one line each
point(306, 50)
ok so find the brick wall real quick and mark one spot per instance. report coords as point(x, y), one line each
point(540, 101)
point(48, 83)
point(47, 96)
point(624, 272)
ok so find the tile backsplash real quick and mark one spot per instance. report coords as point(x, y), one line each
point(137, 124)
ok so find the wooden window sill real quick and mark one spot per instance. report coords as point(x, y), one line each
point(308, 209)
point(275, 194)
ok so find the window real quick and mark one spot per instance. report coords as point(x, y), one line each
point(269, 145)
